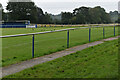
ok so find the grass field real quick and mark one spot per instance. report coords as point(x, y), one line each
point(16, 49)
point(100, 61)
point(13, 31)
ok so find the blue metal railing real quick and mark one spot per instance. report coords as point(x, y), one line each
point(114, 30)
point(68, 39)
point(103, 32)
point(68, 35)
point(33, 46)
point(89, 34)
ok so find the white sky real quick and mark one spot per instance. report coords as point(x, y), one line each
point(57, 6)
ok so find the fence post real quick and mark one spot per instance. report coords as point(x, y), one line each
point(114, 30)
point(33, 46)
point(103, 32)
point(89, 34)
point(68, 39)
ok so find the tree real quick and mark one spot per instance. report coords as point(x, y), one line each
point(73, 20)
point(82, 15)
point(88, 15)
point(114, 16)
point(98, 15)
point(47, 18)
point(22, 11)
point(66, 17)
point(0, 6)
point(4, 15)
point(41, 16)
point(118, 20)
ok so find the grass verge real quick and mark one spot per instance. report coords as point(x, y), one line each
point(100, 61)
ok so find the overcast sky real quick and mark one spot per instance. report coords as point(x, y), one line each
point(57, 6)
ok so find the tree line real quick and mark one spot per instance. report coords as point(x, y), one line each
point(81, 15)
point(86, 15)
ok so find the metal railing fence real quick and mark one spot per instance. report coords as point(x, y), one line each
point(68, 35)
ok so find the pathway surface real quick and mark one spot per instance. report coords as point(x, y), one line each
point(30, 63)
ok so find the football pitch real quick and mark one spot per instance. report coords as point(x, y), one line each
point(16, 49)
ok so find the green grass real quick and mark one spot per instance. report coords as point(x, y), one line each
point(13, 31)
point(100, 61)
point(17, 49)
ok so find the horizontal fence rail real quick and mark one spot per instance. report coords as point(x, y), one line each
point(7, 36)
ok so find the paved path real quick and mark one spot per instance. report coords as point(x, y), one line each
point(30, 63)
